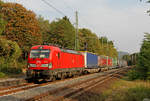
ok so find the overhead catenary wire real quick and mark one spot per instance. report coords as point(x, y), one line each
point(68, 6)
point(50, 5)
point(83, 20)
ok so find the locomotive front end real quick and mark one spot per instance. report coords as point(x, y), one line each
point(39, 62)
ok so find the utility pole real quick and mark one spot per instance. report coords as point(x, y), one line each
point(107, 52)
point(76, 31)
point(102, 42)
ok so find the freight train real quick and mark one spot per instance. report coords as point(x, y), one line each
point(51, 62)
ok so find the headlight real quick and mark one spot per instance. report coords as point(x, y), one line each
point(44, 65)
point(32, 65)
point(50, 65)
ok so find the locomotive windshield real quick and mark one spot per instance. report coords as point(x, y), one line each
point(39, 53)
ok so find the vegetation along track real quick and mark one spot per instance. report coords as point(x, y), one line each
point(71, 91)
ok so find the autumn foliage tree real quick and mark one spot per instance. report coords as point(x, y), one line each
point(22, 25)
point(2, 22)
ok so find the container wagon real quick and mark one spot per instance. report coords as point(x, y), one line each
point(102, 62)
point(114, 62)
point(109, 62)
point(91, 62)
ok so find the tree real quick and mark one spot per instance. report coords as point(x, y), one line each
point(9, 52)
point(148, 1)
point(44, 29)
point(148, 10)
point(88, 41)
point(108, 47)
point(62, 33)
point(2, 24)
point(143, 66)
point(2, 21)
point(22, 25)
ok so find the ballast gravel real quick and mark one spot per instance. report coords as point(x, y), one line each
point(26, 94)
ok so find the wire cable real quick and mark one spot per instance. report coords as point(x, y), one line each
point(50, 5)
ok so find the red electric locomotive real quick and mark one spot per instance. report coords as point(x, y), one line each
point(51, 62)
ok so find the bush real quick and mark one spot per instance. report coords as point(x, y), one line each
point(133, 75)
point(2, 75)
point(5, 68)
point(133, 94)
point(8, 67)
point(9, 54)
point(138, 94)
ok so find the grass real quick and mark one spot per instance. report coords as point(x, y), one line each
point(123, 90)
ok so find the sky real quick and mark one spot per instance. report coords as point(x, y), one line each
point(122, 21)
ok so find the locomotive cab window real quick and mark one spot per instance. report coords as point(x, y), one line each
point(39, 53)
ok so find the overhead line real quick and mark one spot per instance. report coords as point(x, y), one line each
point(50, 5)
point(68, 6)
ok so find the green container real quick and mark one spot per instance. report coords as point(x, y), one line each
point(114, 61)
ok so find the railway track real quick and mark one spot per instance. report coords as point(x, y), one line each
point(74, 90)
point(12, 82)
point(55, 92)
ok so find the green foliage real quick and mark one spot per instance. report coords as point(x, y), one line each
point(2, 75)
point(88, 41)
point(1, 2)
point(2, 24)
point(6, 69)
point(108, 47)
point(132, 94)
point(143, 66)
point(9, 49)
point(148, 75)
point(62, 33)
point(138, 93)
point(127, 91)
point(133, 75)
point(45, 29)
point(9, 54)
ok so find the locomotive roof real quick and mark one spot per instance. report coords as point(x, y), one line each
point(44, 47)
point(50, 46)
point(70, 51)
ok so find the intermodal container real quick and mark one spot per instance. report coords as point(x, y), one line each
point(90, 59)
point(114, 62)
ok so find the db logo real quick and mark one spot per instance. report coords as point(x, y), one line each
point(38, 63)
